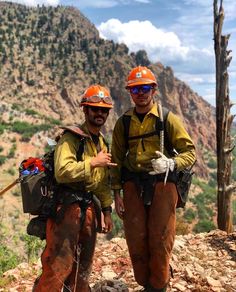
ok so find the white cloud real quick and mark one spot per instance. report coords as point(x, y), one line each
point(159, 44)
point(37, 2)
point(143, 35)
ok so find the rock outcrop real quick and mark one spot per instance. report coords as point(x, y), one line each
point(205, 262)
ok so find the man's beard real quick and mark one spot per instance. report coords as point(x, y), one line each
point(97, 123)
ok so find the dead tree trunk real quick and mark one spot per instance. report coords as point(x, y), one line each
point(223, 123)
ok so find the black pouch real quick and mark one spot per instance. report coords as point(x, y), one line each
point(184, 180)
point(37, 198)
point(37, 227)
point(32, 192)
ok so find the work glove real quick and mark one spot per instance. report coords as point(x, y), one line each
point(162, 165)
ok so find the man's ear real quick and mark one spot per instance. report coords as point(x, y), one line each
point(154, 89)
point(85, 109)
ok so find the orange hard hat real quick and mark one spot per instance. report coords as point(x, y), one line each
point(140, 75)
point(96, 95)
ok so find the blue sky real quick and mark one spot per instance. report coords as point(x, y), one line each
point(178, 33)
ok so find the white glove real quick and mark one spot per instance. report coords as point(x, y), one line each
point(162, 165)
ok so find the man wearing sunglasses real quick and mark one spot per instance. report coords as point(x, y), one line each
point(71, 236)
point(146, 176)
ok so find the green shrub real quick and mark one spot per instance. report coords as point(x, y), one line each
point(214, 175)
point(11, 171)
point(204, 203)
point(12, 151)
point(190, 215)
point(54, 121)
point(30, 112)
point(6, 281)
point(212, 163)
point(204, 226)
point(203, 213)
point(2, 159)
point(34, 246)
point(2, 128)
point(28, 130)
point(8, 258)
point(117, 226)
point(16, 106)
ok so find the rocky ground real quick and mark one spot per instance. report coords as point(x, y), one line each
point(200, 262)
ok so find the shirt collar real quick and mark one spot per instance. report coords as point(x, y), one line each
point(153, 111)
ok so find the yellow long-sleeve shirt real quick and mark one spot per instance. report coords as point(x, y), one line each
point(71, 172)
point(142, 151)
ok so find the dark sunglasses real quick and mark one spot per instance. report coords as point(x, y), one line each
point(96, 109)
point(143, 88)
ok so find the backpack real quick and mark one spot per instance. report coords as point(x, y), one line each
point(39, 187)
point(183, 177)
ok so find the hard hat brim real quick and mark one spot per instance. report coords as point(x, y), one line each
point(140, 82)
point(97, 104)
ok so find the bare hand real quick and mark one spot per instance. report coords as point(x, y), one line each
point(107, 222)
point(119, 206)
point(101, 160)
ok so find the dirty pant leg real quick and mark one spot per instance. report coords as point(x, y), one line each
point(161, 224)
point(78, 279)
point(58, 255)
point(136, 232)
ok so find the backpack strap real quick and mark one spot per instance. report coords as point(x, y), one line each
point(159, 126)
point(126, 123)
point(80, 149)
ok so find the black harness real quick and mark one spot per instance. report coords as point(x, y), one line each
point(143, 180)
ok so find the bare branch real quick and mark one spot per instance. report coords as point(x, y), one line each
point(231, 188)
point(228, 150)
point(228, 60)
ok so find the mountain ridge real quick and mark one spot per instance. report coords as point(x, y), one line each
point(49, 55)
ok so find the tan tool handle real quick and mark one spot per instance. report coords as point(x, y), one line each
point(162, 131)
point(9, 186)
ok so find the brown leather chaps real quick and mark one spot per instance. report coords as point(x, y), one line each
point(67, 258)
point(150, 232)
